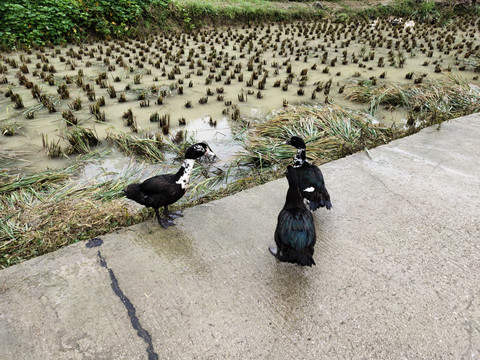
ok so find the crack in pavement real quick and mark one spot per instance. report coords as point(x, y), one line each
point(141, 332)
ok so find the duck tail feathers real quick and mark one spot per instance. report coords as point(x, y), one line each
point(315, 204)
point(134, 193)
point(301, 257)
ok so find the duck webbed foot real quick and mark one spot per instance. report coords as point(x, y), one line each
point(172, 214)
point(164, 222)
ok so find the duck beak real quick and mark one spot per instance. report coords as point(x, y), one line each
point(287, 142)
point(210, 155)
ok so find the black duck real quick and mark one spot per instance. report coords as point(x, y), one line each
point(166, 189)
point(310, 178)
point(295, 233)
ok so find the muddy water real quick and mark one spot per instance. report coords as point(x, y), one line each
point(210, 65)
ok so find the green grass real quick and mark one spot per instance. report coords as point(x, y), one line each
point(28, 23)
point(198, 13)
point(31, 22)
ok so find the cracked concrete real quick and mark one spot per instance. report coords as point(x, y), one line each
point(397, 275)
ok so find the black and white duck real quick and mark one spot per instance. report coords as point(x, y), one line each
point(295, 232)
point(310, 178)
point(166, 189)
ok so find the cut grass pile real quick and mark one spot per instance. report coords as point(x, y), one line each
point(151, 146)
point(330, 132)
point(46, 211)
point(428, 103)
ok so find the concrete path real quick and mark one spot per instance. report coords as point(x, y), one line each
point(397, 275)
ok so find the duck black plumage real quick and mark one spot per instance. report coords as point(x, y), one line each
point(295, 234)
point(166, 189)
point(310, 178)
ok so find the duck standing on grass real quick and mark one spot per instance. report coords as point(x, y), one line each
point(295, 233)
point(166, 189)
point(310, 178)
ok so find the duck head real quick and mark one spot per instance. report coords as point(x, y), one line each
point(296, 142)
point(300, 156)
point(198, 150)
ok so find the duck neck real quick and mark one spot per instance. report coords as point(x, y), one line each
point(185, 172)
point(294, 198)
point(300, 158)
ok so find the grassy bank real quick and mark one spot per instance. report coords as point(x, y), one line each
point(28, 23)
point(194, 14)
point(34, 23)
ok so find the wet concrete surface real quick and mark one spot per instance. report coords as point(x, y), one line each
point(397, 275)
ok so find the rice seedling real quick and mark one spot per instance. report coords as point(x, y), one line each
point(94, 109)
point(70, 119)
point(112, 92)
point(76, 104)
point(101, 101)
point(235, 113)
point(390, 94)
point(91, 94)
point(179, 148)
point(178, 138)
point(10, 128)
point(81, 140)
point(52, 149)
point(17, 99)
point(155, 117)
point(142, 95)
point(164, 123)
point(429, 103)
point(128, 116)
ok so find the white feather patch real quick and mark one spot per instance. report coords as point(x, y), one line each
point(185, 178)
point(309, 189)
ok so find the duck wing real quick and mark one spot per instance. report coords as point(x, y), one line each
point(161, 190)
point(158, 184)
point(312, 187)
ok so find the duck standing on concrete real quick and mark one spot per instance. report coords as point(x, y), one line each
point(166, 189)
point(310, 178)
point(295, 233)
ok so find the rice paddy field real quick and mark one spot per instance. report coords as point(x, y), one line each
point(80, 122)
